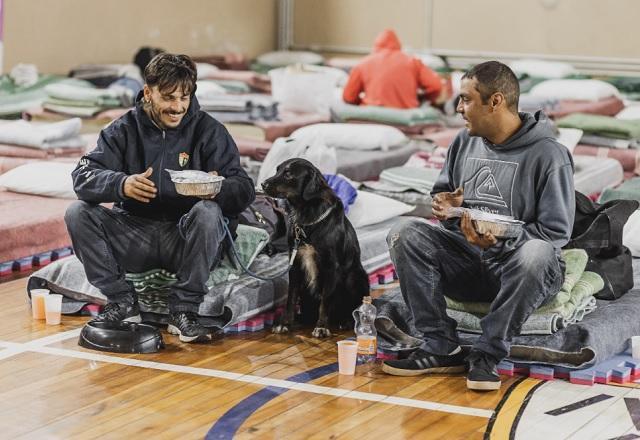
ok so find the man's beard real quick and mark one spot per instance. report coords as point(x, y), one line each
point(155, 114)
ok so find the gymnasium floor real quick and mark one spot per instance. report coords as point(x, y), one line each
point(264, 386)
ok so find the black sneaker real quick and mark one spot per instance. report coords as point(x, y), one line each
point(420, 362)
point(483, 372)
point(116, 312)
point(185, 325)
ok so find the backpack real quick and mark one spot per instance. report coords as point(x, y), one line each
point(265, 213)
point(598, 230)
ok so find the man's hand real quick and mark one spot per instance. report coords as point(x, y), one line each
point(483, 240)
point(139, 187)
point(445, 200)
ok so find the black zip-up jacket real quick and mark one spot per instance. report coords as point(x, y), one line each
point(133, 143)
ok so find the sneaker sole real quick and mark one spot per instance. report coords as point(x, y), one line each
point(400, 372)
point(176, 331)
point(135, 318)
point(483, 385)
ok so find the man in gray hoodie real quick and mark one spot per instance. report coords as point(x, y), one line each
point(505, 163)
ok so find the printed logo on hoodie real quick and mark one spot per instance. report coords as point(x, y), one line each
point(183, 159)
point(489, 185)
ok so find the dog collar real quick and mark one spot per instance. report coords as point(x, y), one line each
point(299, 234)
point(315, 222)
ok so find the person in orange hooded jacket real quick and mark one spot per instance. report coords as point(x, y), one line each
point(390, 78)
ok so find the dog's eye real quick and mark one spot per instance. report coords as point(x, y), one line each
point(288, 175)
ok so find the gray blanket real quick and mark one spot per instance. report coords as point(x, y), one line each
point(226, 304)
point(600, 335)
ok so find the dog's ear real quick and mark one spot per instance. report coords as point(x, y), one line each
point(313, 186)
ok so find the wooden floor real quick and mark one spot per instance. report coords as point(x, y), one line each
point(243, 386)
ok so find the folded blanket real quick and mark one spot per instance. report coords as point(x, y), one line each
point(15, 99)
point(54, 135)
point(410, 178)
point(602, 125)
point(542, 321)
point(99, 97)
point(577, 285)
point(344, 112)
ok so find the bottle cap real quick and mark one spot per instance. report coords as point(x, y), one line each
point(366, 299)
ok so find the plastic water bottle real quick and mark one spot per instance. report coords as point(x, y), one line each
point(366, 332)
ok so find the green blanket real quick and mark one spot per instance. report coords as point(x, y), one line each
point(408, 117)
point(627, 190)
point(602, 125)
point(577, 287)
point(15, 99)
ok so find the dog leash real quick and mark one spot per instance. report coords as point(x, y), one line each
point(245, 268)
point(299, 236)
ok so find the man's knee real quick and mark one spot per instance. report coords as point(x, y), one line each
point(76, 212)
point(534, 255)
point(206, 213)
point(408, 231)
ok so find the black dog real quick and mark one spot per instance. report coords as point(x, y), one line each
point(326, 272)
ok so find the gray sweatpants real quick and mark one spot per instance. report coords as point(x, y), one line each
point(111, 242)
point(432, 261)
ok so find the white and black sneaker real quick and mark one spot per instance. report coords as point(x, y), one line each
point(186, 326)
point(483, 372)
point(117, 312)
point(422, 362)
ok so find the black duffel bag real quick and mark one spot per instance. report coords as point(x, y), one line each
point(598, 230)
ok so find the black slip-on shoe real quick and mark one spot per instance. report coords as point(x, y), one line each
point(483, 372)
point(422, 362)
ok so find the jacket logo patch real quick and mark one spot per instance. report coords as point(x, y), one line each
point(183, 159)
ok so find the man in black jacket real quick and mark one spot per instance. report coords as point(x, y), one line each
point(151, 225)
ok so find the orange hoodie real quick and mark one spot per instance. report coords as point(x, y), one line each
point(390, 78)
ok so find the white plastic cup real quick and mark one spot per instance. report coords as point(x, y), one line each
point(53, 309)
point(37, 303)
point(635, 347)
point(347, 354)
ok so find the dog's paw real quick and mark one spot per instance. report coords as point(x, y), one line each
point(321, 332)
point(279, 329)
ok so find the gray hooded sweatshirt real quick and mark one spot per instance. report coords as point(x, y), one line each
point(529, 177)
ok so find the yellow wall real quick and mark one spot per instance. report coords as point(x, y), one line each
point(57, 35)
point(587, 28)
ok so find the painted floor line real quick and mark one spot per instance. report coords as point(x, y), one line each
point(263, 381)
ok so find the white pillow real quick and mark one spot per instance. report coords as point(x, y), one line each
point(574, 89)
point(286, 57)
point(569, 137)
point(631, 234)
point(52, 179)
point(370, 208)
point(352, 136)
point(542, 69)
point(631, 112)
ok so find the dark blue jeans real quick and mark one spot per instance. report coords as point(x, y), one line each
point(432, 261)
point(111, 242)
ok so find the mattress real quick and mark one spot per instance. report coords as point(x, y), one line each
point(30, 225)
point(629, 158)
point(362, 165)
point(288, 123)
point(606, 107)
point(374, 252)
point(253, 148)
point(594, 174)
